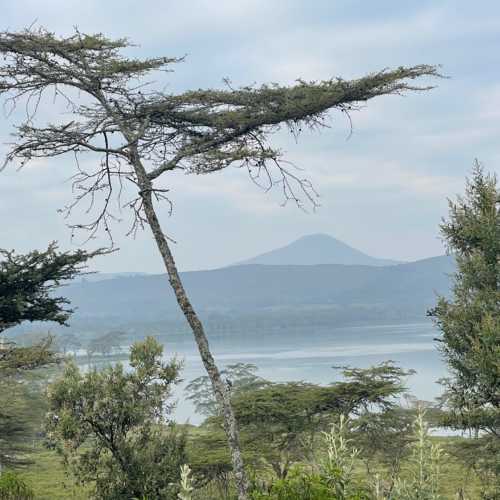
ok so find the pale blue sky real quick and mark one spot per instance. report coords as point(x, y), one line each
point(383, 190)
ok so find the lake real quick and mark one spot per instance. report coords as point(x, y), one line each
point(309, 355)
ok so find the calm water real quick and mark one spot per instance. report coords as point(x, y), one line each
point(309, 355)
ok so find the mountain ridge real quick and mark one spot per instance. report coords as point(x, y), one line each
point(400, 291)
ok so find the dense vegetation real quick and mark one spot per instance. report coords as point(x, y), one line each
point(360, 437)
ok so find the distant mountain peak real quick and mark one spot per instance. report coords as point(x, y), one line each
point(317, 248)
point(317, 236)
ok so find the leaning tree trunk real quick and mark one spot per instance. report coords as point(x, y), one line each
point(219, 386)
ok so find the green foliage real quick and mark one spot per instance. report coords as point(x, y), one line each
point(285, 419)
point(186, 483)
point(205, 130)
point(335, 476)
point(338, 468)
point(470, 321)
point(111, 426)
point(51, 481)
point(27, 286)
point(22, 407)
point(243, 119)
point(27, 283)
point(298, 485)
point(241, 377)
point(481, 457)
point(15, 359)
point(376, 388)
point(331, 478)
point(49, 478)
point(424, 468)
point(209, 455)
point(12, 487)
point(282, 422)
point(383, 437)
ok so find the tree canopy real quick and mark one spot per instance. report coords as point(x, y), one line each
point(198, 131)
point(470, 320)
point(27, 283)
point(470, 324)
point(281, 422)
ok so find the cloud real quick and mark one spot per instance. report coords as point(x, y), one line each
point(405, 157)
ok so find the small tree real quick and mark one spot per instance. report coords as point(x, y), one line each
point(112, 426)
point(143, 135)
point(239, 377)
point(470, 320)
point(333, 477)
point(68, 341)
point(106, 344)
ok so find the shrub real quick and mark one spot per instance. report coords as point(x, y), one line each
point(12, 487)
point(334, 477)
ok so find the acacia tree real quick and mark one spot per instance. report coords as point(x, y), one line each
point(241, 377)
point(143, 134)
point(281, 423)
point(106, 344)
point(68, 341)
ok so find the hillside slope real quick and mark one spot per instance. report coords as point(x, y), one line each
point(317, 249)
point(255, 288)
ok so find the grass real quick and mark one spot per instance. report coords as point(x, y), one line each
point(49, 479)
point(454, 476)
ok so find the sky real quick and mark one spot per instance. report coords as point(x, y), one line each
point(383, 188)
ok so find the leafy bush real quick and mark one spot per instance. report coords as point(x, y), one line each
point(112, 426)
point(298, 485)
point(12, 487)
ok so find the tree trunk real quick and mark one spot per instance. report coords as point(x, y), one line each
point(219, 386)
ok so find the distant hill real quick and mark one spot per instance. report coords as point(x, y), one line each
point(317, 249)
point(108, 276)
point(356, 292)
